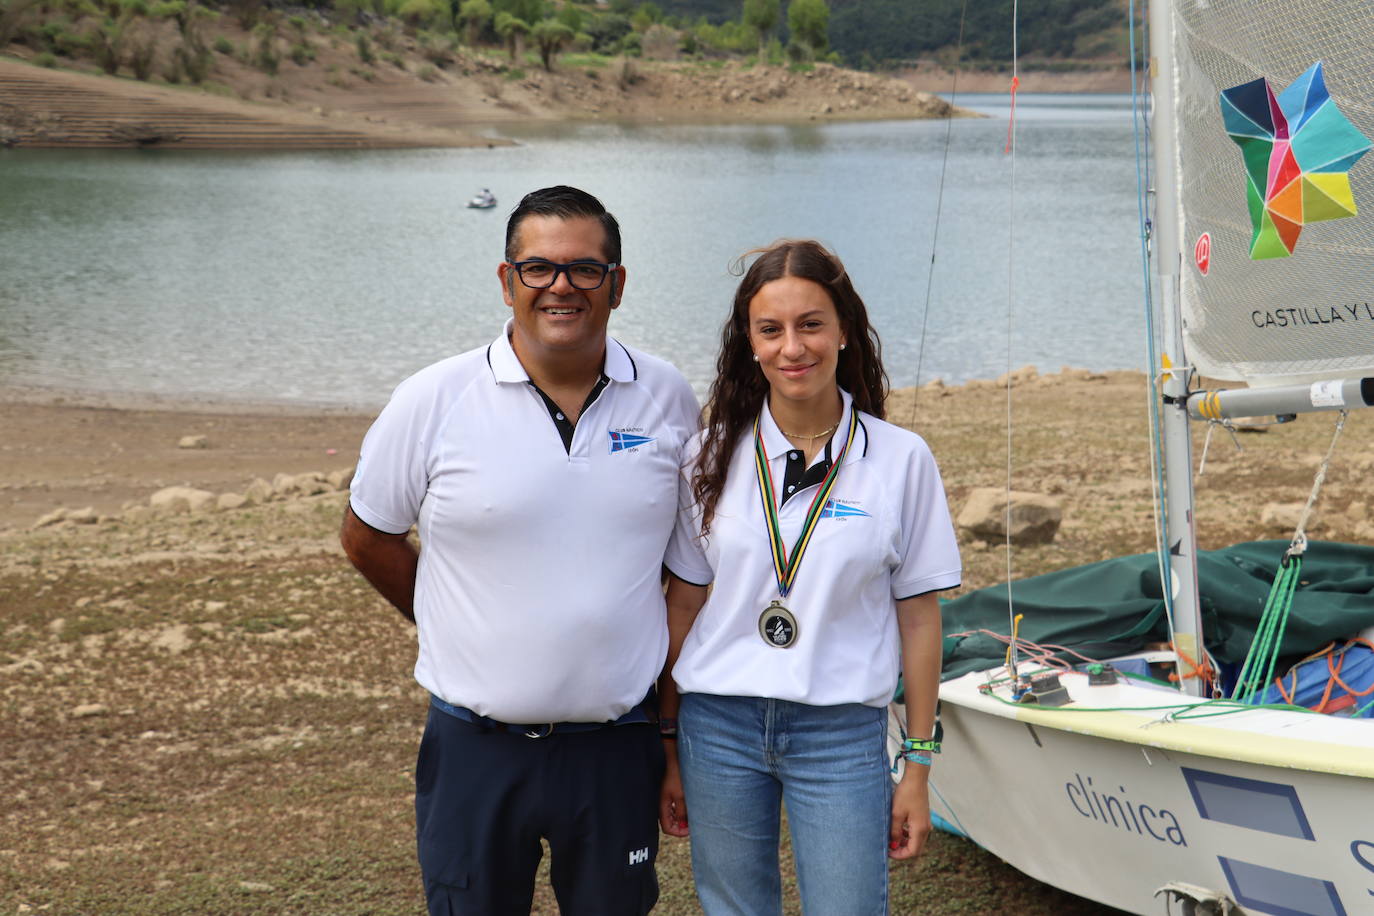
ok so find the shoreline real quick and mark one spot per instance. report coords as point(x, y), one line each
point(467, 105)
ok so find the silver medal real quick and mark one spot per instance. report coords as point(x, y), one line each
point(777, 626)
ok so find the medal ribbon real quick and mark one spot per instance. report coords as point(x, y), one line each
point(785, 568)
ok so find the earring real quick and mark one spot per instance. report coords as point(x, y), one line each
point(842, 346)
point(756, 357)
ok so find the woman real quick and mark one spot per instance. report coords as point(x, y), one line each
point(824, 534)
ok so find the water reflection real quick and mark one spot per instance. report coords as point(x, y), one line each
point(330, 276)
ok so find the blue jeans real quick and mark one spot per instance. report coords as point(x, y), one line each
point(741, 757)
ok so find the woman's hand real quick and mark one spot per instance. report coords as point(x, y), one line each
point(910, 813)
point(672, 805)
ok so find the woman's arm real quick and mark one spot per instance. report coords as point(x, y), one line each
point(684, 602)
point(918, 622)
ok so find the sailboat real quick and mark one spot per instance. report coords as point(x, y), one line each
point(1091, 771)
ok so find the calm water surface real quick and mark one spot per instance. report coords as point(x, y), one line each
point(328, 277)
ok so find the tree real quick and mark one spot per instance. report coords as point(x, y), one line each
point(808, 21)
point(762, 16)
point(525, 10)
point(513, 30)
point(550, 36)
point(474, 15)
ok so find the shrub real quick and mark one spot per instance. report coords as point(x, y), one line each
point(265, 56)
point(224, 45)
point(301, 54)
point(428, 73)
point(45, 59)
point(626, 73)
point(107, 40)
point(171, 69)
point(195, 61)
point(141, 57)
point(365, 49)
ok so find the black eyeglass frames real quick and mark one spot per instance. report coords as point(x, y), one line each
point(537, 273)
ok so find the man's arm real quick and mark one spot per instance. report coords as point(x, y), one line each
point(387, 561)
point(684, 602)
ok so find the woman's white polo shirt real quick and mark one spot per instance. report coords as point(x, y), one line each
point(884, 534)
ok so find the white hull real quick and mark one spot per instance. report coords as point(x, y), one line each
point(1273, 810)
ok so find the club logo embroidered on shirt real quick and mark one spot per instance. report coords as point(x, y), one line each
point(835, 509)
point(639, 856)
point(624, 440)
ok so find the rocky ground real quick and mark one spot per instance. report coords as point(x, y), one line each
point(208, 711)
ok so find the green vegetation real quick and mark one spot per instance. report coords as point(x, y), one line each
point(134, 36)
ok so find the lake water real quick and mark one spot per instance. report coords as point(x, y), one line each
point(325, 278)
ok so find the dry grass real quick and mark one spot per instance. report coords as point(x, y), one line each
point(214, 714)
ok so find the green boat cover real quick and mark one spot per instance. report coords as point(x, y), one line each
point(1116, 606)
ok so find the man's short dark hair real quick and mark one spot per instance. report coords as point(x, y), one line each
point(565, 203)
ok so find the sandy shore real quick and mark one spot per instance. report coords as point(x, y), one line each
point(65, 449)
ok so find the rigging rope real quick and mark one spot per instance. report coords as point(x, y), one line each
point(939, 208)
point(1011, 299)
point(1264, 650)
point(1141, 132)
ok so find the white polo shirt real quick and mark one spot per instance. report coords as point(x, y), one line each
point(885, 534)
point(538, 595)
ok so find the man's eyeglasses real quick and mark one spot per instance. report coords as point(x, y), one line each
point(537, 273)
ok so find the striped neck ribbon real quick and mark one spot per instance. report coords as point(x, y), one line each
point(785, 567)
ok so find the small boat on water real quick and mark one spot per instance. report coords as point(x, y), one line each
point(482, 200)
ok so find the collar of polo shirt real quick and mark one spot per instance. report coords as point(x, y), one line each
point(778, 446)
point(506, 367)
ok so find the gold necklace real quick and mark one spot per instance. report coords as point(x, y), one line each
point(824, 432)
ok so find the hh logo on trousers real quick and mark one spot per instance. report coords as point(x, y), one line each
point(639, 856)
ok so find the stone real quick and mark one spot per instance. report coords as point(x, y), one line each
point(1035, 517)
point(90, 710)
point(231, 501)
point(1018, 377)
point(52, 518)
point(1283, 518)
point(181, 499)
point(259, 491)
point(193, 442)
point(86, 516)
point(311, 483)
point(341, 479)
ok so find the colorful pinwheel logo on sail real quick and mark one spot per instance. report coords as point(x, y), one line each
point(1298, 150)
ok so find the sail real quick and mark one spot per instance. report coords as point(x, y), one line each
point(1275, 113)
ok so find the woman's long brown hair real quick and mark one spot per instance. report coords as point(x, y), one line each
point(739, 390)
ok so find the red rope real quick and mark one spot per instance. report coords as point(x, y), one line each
point(1011, 122)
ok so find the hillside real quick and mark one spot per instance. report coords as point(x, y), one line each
point(382, 85)
point(1058, 34)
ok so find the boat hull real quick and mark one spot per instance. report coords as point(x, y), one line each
point(1115, 806)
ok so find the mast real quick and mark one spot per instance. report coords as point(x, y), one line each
point(1180, 531)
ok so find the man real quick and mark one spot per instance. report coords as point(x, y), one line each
point(541, 471)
